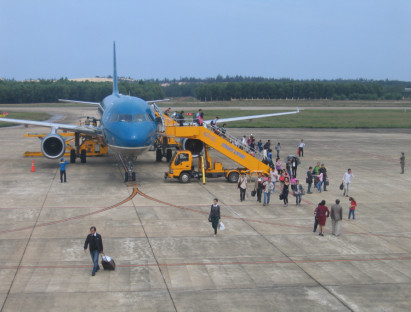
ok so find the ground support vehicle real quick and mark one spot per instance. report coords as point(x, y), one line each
point(196, 142)
point(76, 145)
point(182, 168)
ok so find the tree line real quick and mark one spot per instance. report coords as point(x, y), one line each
point(209, 89)
point(289, 89)
point(49, 91)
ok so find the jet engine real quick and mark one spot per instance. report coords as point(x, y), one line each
point(196, 147)
point(53, 146)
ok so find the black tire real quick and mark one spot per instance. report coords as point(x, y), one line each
point(125, 176)
point(83, 156)
point(133, 176)
point(184, 177)
point(73, 156)
point(159, 155)
point(169, 154)
point(233, 177)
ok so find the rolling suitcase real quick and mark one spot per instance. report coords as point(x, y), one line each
point(108, 263)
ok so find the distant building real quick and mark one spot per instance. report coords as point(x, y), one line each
point(407, 92)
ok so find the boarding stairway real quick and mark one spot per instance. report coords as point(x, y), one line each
point(225, 144)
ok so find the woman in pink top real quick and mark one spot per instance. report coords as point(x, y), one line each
point(320, 177)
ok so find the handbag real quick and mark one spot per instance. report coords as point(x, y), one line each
point(341, 186)
point(209, 219)
point(281, 196)
point(253, 193)
point(222, 226)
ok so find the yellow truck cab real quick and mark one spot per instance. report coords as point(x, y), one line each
point(182, 168)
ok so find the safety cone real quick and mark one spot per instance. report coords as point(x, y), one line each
point(33, 169)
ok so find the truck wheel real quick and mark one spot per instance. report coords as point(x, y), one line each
point(159, 155)
point(184, 177)
point(83, 156)
point(233, 177)
point(72, 156)
point(169, 154)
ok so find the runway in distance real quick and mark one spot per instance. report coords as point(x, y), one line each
point(129, 126)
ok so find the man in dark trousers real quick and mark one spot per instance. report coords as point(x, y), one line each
point(63, 164)
point(309, 179)
point(95, 243)
point(402, 162)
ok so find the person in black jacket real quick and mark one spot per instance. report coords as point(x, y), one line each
point(214, 216)
point(95, 243)
point(309, 179)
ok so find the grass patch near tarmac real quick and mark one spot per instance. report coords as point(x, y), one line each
point(348, 118)
point(36, 116)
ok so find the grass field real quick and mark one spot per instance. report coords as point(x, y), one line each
point(379, 118)
point(325, 117)
point(25, 115)
point(284, 103)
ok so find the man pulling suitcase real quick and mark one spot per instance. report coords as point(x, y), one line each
point(95, 243)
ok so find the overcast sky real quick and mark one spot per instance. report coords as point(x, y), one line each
point(298, 39)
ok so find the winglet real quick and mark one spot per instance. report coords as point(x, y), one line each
point(115, 82)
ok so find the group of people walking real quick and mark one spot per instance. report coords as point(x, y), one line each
point(265, 186)
point(321, 213)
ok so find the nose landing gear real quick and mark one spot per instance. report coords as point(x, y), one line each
point(129, 174)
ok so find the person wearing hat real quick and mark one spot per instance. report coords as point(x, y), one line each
point(402, 162)
point(63, 164)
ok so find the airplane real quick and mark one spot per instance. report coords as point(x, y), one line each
point(129, 126)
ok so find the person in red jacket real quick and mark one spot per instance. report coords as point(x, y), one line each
point(322, 214)
point(353, 204)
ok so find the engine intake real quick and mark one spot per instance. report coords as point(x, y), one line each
point(53, 146)
point(196, 147)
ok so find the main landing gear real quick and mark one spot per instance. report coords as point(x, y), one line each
point(167, 153)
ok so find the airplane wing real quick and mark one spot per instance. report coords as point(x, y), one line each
point(223, 120)
point(91, 130)
point(155, 101)
point(80, 102)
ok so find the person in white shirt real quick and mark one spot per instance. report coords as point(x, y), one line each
point(347, 181)
point(244, 141)
point(301, 148)
point(268, 187)
point(274, 177)
point(242, 185)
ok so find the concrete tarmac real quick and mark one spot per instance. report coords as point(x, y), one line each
point(267, 258)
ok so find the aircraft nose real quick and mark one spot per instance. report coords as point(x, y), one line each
point(132, 135)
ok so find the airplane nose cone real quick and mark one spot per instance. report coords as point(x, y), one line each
point(131, 135)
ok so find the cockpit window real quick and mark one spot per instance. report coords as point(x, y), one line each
point(131, 117)
point(113, 117)
point(126, 117)
point(139, 117)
